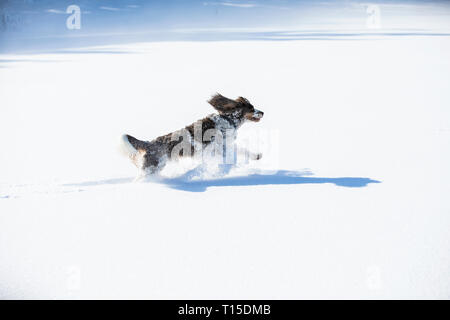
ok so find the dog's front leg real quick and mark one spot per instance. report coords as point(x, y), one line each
point(248, 154)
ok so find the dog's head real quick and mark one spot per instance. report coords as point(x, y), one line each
point(240, 108)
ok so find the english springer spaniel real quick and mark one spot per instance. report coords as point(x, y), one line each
point(219, 128)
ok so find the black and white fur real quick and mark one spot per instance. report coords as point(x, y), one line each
point(151, 156)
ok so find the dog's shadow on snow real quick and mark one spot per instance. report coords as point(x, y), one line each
point(281, 177)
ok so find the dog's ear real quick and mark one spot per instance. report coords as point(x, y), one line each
point(222, 104)
point(242, 100)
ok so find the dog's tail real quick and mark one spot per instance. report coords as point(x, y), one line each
point(130, 146)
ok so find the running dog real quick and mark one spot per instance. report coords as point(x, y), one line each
point(151, 156)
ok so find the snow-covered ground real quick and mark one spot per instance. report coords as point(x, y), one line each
point(358, 209)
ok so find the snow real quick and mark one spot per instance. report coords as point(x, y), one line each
point(351, 201)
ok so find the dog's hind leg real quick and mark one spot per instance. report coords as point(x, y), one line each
point(151, 167)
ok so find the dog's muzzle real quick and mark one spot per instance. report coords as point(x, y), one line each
point(257, 115)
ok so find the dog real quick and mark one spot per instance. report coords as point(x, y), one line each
point(151, 156)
